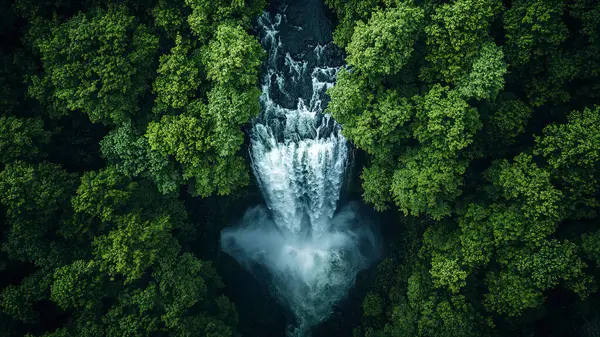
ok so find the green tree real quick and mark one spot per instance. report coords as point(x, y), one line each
point(108, 252)
point(534, 32)
point(591, 246)
point(133, 246)
point(186, 138)
point(437, 109)
point(98, 63)
point(533, 29)
point(385, 44)
point(204, 139)
point(22, 138)
point(376, 179)
point(572, 151)
point(18, 300)
point(206, 15)
point(100, 192)
point(135, 280)
point(232, 58)
point(445, 121)
point(455, 35)
point(428, 177)
point(178, 78)
point(486, 78)
point(349, 12)
point(508, 120)
point(529, 272)
point(170, 16)
point(228, 110)
point(532, 206)
point(352, 99)
point(78, 285)
point(427, 181)
point(128, 150)
point(35, 197)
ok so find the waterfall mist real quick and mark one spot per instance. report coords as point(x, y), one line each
point(302, 243)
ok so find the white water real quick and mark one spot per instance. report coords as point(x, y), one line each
point(311, 251)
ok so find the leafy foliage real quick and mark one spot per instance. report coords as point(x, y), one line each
point(34, 197)
point(206, 14)
point(178, 77)
point(232, 58)
point(385, 44)
point(533, 28)
point(98, 63)
point(456, 33)
point(477, 120)
point(464, 112)
point(572, 153)
point(21, 138)
point(107, 248)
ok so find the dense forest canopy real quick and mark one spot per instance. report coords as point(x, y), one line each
point(480, 116)
point(476, 127)
point(108, 111)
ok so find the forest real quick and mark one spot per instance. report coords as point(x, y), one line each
point(124, 136)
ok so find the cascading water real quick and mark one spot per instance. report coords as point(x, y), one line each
point(311, 251)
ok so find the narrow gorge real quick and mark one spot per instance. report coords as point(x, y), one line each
point(306, 243)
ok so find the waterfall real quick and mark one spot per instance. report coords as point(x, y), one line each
point(311, 250)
